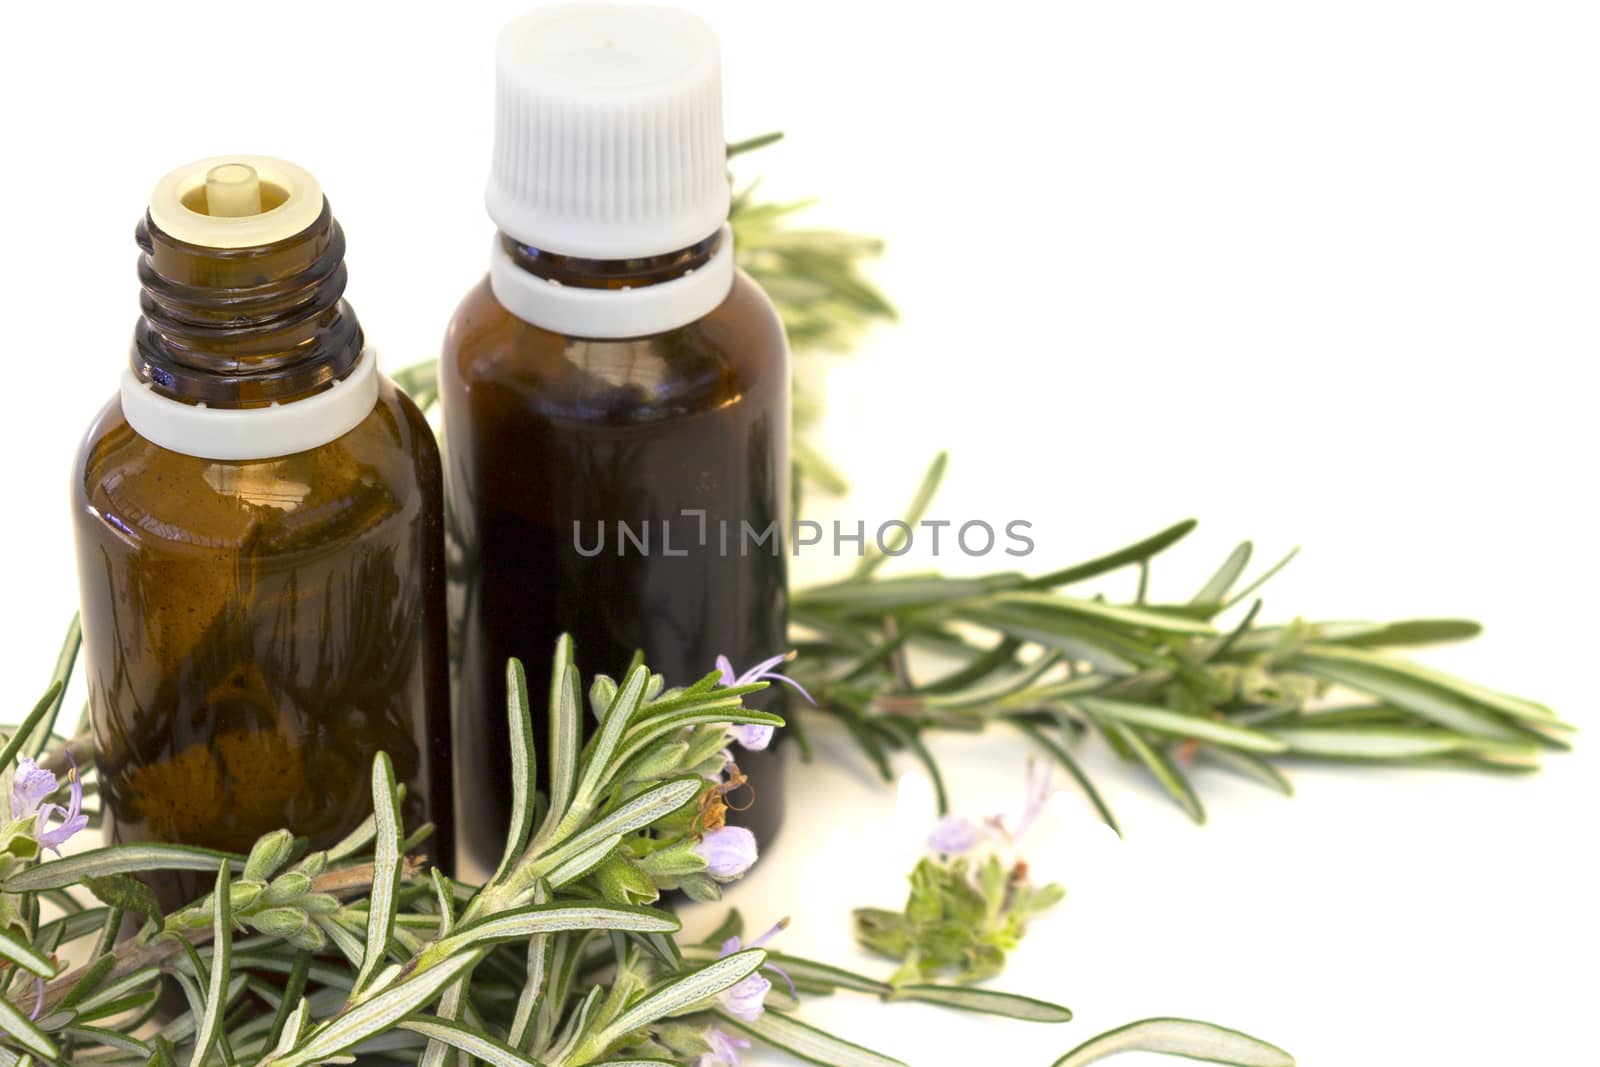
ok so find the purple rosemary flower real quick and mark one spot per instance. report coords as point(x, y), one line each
point(952, 835)
point(31, 784)
point(724, 1049)
point(747, 999)
point(29, 788)
point(756, 737)
point(729, 851)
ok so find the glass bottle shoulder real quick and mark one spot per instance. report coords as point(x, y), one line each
point(736, 349)
point(130, 489)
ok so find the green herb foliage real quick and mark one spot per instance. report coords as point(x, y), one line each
point(961, 919)
point(1165, 684)
point(304, 957)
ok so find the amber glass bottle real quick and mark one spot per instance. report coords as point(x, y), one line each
point(260, 543)
point(614, 368)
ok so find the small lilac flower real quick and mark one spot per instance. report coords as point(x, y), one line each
point(747, 998)
point(729, 851)
point(31, 784)
point(952, 835)
point(724, 1049)
point(755, 736)
point(72, 817)
point(1038, 797)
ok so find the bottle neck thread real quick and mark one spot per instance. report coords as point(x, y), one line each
point(244, 327)
point(610, 273)
point(612, 298)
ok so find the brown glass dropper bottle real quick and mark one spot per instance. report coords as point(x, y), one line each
point(614, 372)
point(260, 539)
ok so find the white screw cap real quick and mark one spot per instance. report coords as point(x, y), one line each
point(608, 131)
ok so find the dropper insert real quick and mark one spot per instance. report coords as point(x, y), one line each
point(233, 190)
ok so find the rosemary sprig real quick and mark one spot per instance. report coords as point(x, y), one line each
point(1164, 684)
point(972, 898)
point(299, 958)
point(960, 920)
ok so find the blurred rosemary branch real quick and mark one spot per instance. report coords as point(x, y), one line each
point(814, 277)
point(817, 281)
point(1165, 684)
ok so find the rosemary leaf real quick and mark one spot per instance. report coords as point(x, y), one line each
point(984, 1001)
point(1179, 1037)
point(118, 859)
point(523, 761)
point(221, 963)
point(473, 1044)
point(386, 873)
point(807, 1042)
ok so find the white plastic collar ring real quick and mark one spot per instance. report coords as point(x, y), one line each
point(612, 313)
point(252, 433)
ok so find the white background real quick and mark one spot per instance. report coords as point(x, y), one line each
point(1317, 274)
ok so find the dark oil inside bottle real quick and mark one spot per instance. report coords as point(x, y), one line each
point(682, 437)
point(258, 630)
